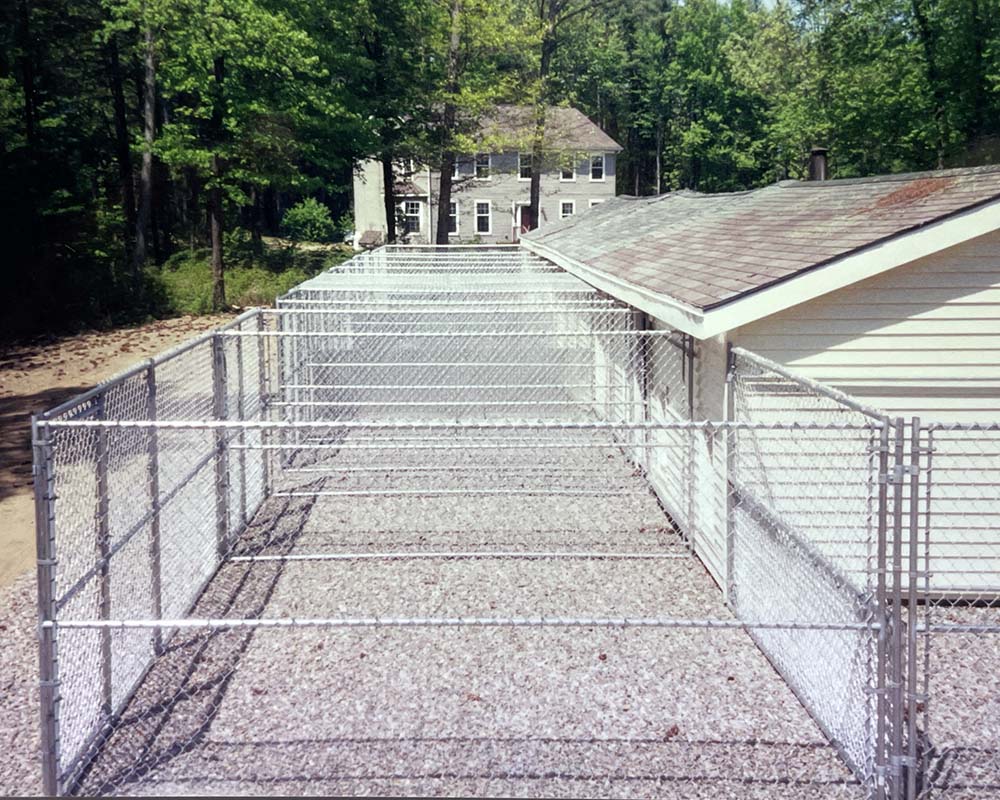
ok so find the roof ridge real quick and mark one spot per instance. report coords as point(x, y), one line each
point(895, 177)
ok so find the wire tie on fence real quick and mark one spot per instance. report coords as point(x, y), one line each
point(47, 562)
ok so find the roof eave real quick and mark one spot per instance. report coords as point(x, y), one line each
point(667, 309)
point(859, 265)
point(851, 268)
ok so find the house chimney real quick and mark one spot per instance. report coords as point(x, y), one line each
point(817, 164)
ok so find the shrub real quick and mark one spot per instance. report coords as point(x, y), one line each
point(308, 221)
point(183, 285)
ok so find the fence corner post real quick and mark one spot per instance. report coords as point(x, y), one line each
point(47, 655)
point(730, 482)
point(104, 553)
point(153, 454)
point(221, 455)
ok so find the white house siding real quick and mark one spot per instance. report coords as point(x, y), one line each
point(920, 340)
point(687, 468)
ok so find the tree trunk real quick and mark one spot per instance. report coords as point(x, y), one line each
point(195, 219)
point(256, 233)
point(139, 251)
point(28, 78)
point(444, 197)
point(980, 29)
point(449, 120)
point(389, 196)
point(928, 40)
point(122, 145)
point(659, 156)
point(215, 211)
point(538, 141)
point(215, 202)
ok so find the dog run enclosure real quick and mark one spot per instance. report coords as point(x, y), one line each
point(448, 520)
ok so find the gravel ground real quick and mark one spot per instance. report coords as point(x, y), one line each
point(500, 711)
point(553, 712)
point(19, 766)
point(963, 713)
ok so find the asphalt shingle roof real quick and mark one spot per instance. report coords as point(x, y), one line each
point(706, 250)
point(566, 129)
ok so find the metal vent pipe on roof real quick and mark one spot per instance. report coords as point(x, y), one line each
point(817, 164)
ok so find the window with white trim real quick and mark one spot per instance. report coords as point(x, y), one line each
point(484, 217)
point(455, 172)
point(483, 165)
point(411, 216)
point(567, 208)
point(594, 203)
point(597, 167)
point(524, 166)
point(453, 218)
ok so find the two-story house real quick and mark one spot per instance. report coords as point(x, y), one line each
point(490, 201)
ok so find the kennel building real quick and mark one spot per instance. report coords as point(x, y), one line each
point(458, 520)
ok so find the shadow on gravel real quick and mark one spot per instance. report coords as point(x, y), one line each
point(15, 434)
point(177, 702)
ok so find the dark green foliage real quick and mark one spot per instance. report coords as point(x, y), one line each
point(308, 221)
point(262, 104)
point(183, 284)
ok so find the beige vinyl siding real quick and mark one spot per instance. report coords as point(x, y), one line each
point(922, 339)
point(687, 467)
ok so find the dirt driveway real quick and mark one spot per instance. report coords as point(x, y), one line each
point(38, 375)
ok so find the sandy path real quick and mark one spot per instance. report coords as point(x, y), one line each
point(38, 375)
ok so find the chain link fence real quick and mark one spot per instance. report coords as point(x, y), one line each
point(474, 510)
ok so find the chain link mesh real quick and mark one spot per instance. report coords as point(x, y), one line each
point(465, 504)
point(957, 556)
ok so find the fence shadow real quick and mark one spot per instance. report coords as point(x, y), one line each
point(180, 696)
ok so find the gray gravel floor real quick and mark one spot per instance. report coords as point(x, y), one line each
point(553, 712)
point(560, 712)
point(963, 713)
point(19, 764)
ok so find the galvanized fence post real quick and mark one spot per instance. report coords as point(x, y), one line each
point(221, 454)
point(45, 546)
point(730, 481)
point(912, 593)
point(153, 452)
point(241, 416)
point(882, 617)
point(263, 366)
point(104, 555)
point(897, 679)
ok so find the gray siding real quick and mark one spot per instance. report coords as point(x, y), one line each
point(504, 189)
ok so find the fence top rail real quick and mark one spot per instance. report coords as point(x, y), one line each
point(340, 287)
point(959, 427)
point(463, 622)
point(380, 312)
point(451, 334)
point(836, 395)
point(431, 305)
point(443, 424)
point(472, 247)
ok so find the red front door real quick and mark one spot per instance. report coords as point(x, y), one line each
point(525, 221)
